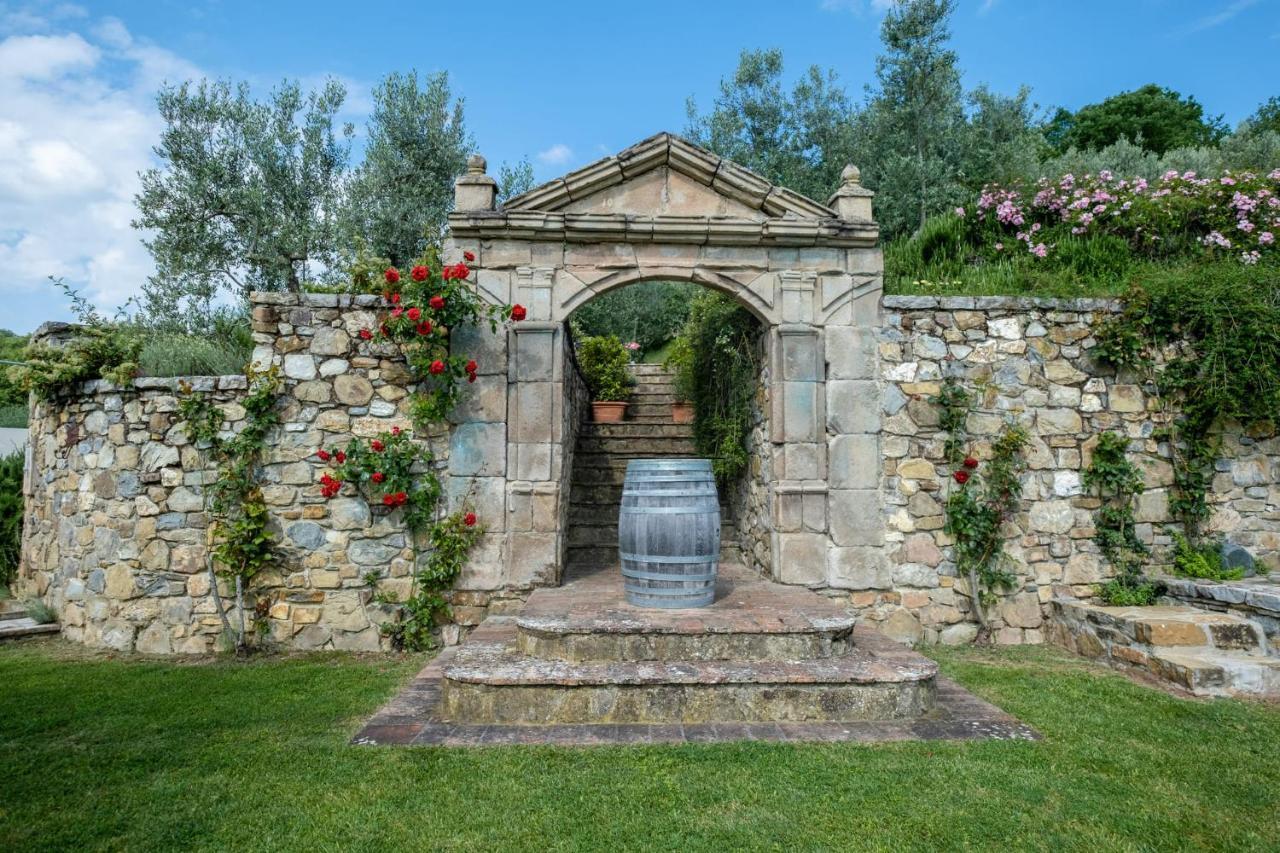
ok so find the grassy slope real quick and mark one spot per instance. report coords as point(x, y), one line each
point(102, 753)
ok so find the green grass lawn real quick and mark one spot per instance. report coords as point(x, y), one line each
point(129, 754)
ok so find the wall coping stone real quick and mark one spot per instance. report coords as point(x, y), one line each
point(980, 303)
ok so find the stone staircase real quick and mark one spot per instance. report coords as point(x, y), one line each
point(600, 465)
point(1204, 652)
point(14, 622)
point(578, 654)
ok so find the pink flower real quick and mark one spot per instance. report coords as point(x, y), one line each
point(960, 212)
point(1266, 238)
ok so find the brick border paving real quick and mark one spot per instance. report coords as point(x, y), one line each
point(411, 719)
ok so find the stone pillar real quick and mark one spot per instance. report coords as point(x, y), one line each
point(535, 453)
point(475, 190)
point(798, 491)
point(854, 411)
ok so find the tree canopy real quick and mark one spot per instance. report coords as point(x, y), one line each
point(1159, 118)
point(400, 195)
point(247, 195)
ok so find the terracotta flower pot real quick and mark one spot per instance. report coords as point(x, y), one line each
point(682, 413)
point(607, 412)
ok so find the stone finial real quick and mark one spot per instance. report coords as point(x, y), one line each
point(475, 190)
point(852, 201)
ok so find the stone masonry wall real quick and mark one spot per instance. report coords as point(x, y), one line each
point(115, 527)
point(1030, 360)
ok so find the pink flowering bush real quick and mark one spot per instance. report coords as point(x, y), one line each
point(1180, 215)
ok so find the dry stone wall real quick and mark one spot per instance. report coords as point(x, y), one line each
point(115, 528)
point(1029, 361)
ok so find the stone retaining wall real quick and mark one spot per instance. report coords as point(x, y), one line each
point(114, 539)
point(1031, 362)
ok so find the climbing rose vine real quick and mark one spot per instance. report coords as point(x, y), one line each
point(393, 470)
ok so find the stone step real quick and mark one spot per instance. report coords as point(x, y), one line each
point(648, 368)
point(657, 397)
point(10, 609)
point(633, 447)
point(649, 410)
point(1215, 672)
point(491, 681)
point(1165, 626)
point(751, 620)
point(26, 627)
point(628, 429)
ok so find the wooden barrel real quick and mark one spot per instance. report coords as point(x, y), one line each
point(669, 533)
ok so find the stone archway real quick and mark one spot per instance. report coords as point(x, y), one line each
point(668, 209)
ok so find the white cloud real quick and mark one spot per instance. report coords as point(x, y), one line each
point(77, 122)
point(856, 7)
point(556, 155)
point(1221, 16)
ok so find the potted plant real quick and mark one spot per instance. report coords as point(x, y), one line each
point(604, 362)
point(680, 362)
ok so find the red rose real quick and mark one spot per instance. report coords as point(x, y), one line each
point(378, 477)
point(424, 328)
point(397, 311)
point(436, 302)
point(395, 430)
point(472, 366)
point(376, 445)
point(323, 454)
point(461, 271)
point(388, 500)
point(961, 477)
point(518, 312)
point(414, 314)
point(420, 273)
point(395, 299)
point(970, 462)
point(340, 456)
point(401, 497)
point(392, 275)
point(469, 519)
point(437, 367)
point(471, 377)
point(366, 335)
point(468, 257)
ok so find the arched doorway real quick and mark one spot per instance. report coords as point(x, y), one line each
point(666, 209)
point(697, 347)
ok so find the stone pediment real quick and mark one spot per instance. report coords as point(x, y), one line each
point(666, 175)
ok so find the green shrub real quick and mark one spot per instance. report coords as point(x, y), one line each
point(1103, 257)
point(604, 361)
point(1202, 560)
point(38, 611)
point(649, 313)
point(1121, 592)
point(10, 515)
point(193, 355)
point(680, 360)
point(721, 343)
point(14, 416)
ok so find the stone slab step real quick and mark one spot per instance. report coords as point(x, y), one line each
point(588, 619)
point(490, 680)
point(648, 368)
point(633, 448)
point(1163, 626)
point(633, 430)
point(1213, 672)
point(26, 627)
point(10, 609)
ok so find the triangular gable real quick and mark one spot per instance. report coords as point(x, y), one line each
point(666, 175)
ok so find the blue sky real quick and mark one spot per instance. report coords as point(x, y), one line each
point(561, 83)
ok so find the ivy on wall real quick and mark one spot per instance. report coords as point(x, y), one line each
point(984, 497)
point(1207, 343)
point(1117, 481)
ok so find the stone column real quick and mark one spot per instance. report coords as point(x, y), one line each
point(854, 410)
point(535, 455)
point(798, 490)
